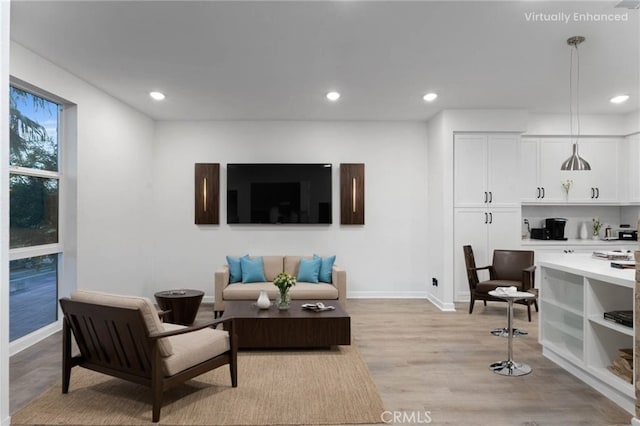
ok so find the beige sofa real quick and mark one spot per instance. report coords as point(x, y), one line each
point(273, 265)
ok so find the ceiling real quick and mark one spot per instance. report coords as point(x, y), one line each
point(275, 60)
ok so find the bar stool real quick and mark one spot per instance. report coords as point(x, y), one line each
point(509, 367)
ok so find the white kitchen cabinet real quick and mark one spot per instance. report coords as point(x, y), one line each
point(575, 292)
point(486, 170)
point(484, 230)
point(633, 162)
point(541, 159)
point(540, 170)
point(601, 183)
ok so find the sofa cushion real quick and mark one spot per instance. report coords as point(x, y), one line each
point(235, 270)
point(309, 270)
point(301, 290)
point(192, 348)
point(252, 270)
point(326, 267)
point(149, 312)
point(249, 291)
point(310, 291)
point(272, 266)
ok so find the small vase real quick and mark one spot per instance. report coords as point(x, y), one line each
point(263, 301)
point(283, 301)
point(583, 231)
point(595, 236)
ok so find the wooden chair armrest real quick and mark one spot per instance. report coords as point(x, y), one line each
point(194, 327)
point(528, 278)
point(480, 268)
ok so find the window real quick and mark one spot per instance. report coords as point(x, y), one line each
point(34, 193)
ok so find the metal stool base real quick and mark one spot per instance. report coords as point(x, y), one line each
point(504, 332)
point(510, 368)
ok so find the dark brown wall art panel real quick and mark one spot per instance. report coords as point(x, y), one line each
point(207, 193)
point(352, 194)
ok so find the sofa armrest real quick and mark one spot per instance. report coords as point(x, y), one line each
point(339, 279)
point(220, 281)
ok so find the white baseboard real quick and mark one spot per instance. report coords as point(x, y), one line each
point(635, 421)
point(386, 295)
point(33, 338)
point(443, 306)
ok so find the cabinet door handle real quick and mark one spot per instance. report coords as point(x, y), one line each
point(491, 196)
point(486, 218)
point(486, 196)
point(593, 193)
point(597, 192)
point(490, 218)
point(538, 191)
point(543, 192)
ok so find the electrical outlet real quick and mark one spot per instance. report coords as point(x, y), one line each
point(434, 282)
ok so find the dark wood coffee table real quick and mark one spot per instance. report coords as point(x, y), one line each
point(292, 328)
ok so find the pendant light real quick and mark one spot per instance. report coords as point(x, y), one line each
point(575, 162)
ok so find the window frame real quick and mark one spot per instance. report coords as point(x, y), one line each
point(51, 248)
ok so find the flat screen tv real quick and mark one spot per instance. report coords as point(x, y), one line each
point(279, 193)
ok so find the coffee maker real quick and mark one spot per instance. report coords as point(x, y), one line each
point(554, 228)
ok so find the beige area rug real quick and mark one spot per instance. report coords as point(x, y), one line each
point(323, 387)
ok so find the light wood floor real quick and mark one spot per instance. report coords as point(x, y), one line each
point(422, 360)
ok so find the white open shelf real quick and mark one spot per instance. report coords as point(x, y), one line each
point(575, 292)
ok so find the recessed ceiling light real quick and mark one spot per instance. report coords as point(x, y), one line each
point(430, 97)
point(333, 96)
point(158, 96)
point(619, 99)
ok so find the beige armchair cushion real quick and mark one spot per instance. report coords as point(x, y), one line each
point(148, 310)
point(190, 349)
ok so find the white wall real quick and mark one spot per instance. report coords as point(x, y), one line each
point(383, 258)
point(590, 125)
point(111, 186)
point(5, 419)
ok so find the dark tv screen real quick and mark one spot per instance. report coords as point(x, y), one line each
point(279, 193)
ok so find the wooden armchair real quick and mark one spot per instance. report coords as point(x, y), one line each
point(122, 336)
point(509, 268)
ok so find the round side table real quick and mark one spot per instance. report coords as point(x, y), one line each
point(509, 367)
point(182, 304)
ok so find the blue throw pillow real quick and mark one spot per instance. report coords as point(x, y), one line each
point(252, 270)
point(309, 270)
point(326, 268)
point(235, 271)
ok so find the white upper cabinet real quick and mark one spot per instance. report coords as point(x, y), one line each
point(486, 170)
point(633, 166)
point(601, 183)
point(543, 180)
point(540, 167)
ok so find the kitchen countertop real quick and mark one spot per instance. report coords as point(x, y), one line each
point(609, 244)
point(585, 265)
